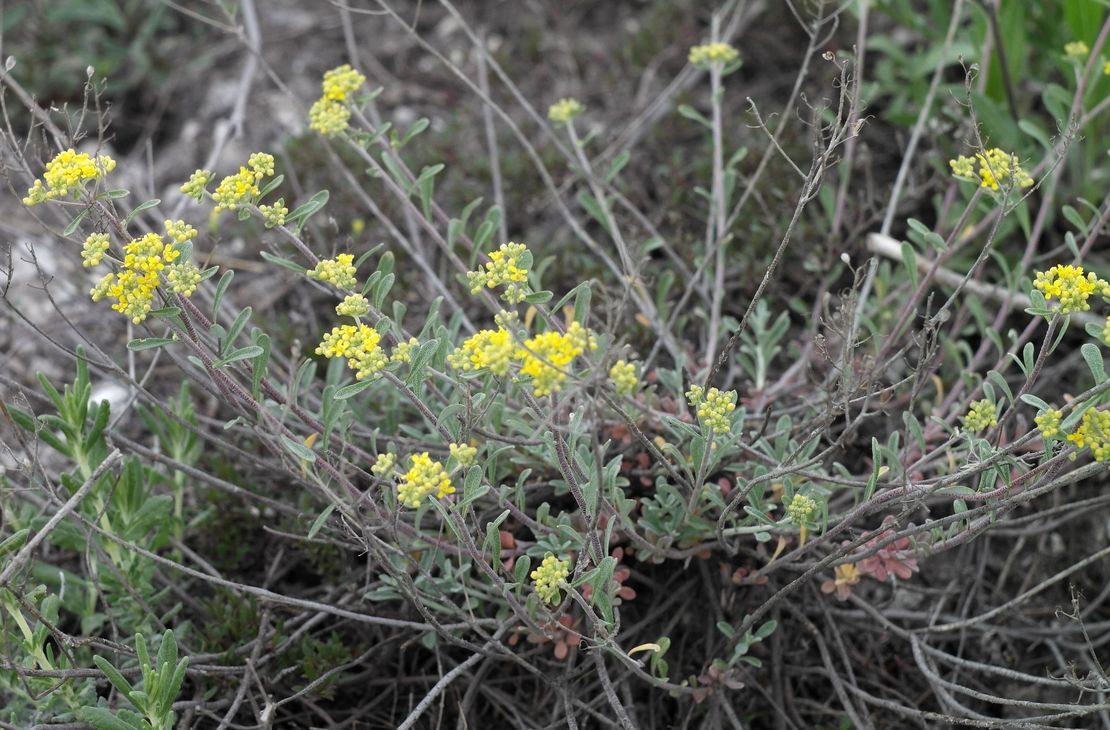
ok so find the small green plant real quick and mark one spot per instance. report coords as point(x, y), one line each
point(153, 699)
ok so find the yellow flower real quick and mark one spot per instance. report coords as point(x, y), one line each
point(183, 278)
point(1048, 422)
point(357, 343)
point(713, 53)
point(353, 305)
point(274, 215)
point(237, 190)
point(564, 110)
point(328, 117)
point(384, 464)
point(425, 477)
point(180, 231)
point(197, 184)
point(67, 173)
point(801, 508)
point(980, 416)
point(1076, 49)
point(506, 268)
point(547, 577)
point(1070, 285)
point(995, 167)
point(713, 407)
point(1094, 433)
point(94, 248)
point(546, 357)
point(339, 272)
point(463, 453)
point(490, 349)
point(340, 82)
point(623, 377)
point(402, 351)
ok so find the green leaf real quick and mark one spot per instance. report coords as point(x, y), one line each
point(244, 353)
point(284, 263)
point(221, 288)
point(350, 391)
point(139, 209)
point(1093, 356)
point(299, 450)
point(303, 212)
point(149, 343)
point(691, 113)
point(319, 521)
point(75, 223)
point(118, 680)
point(1034, 401)
point(102, 718)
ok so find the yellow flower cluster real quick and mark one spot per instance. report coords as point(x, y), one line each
point(490, 349)
point(425, 477)
point(183, 278)
point(339, 272)
point(623, 377)
point(1094, 433)
point(402, 351)
point(353, 305)
point(180, 231)
point(504, 268)
point(801, 508)
point(66, 173)
point(713, 53)
point(1070, 285)
point(274, 215)
point(94, 248)
point(980, 416)
point(547, 356)
point(359, 344)
point(197, 184)
point(240, 189)
point(1106, 331)
point(463, 453)
point(995, 166)
point(1048, 422)
point(713, 407)
point(1076, 49)
point(564, 110)
point(384, 464)
point(547, 577)
point(133, 287)
point(330, 114)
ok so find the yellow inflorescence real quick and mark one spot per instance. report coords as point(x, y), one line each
point(425, 477)
point(357, 343)
point(713, 53)
point(273, 215)
point(1076, 49)
point(1094, 433)
point(67, 173)
point(1071, 286)
point(713, 407)
point(503, 269)
point(492, 349)
point(180, 231)
point(1106, 331)
point(330, 114)
point(183, 277)
point(134, 285)
point(94, 248)
point(980, 416)
point(339, 272)
point(353, 305)
point(402, 351)
point(240, 189)
point(463, 453)
point(546, 357)
point(197, 184)
point(623, 377)
point(547, 577)
point(1048, 422)
point(329, 118)
point(801, 508)
point(384, 464)
point(564, 110)
point(340, 82)
point(995, 166)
